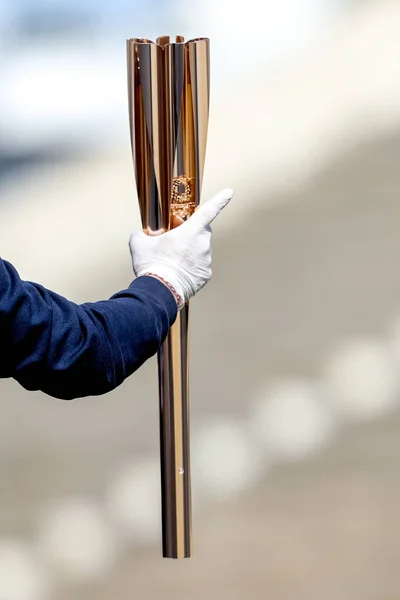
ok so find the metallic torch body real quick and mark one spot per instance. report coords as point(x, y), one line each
point(168, 85)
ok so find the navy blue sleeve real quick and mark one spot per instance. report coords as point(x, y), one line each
point(68, 350)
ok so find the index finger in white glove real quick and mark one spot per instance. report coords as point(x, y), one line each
point(207, 212)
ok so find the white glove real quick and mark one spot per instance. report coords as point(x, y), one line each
point(181, 257)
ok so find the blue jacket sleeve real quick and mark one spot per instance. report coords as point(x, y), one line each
point(68, 350)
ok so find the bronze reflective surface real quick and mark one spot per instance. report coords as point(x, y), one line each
point(168, 90)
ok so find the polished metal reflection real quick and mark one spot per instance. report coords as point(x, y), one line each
point(168, 88)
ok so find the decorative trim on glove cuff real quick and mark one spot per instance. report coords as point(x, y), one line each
point(179, 300)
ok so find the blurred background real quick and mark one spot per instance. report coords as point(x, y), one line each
point(295, 372)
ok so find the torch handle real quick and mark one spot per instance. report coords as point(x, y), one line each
point(173, 369)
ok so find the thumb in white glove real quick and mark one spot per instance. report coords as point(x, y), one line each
point(181, 257)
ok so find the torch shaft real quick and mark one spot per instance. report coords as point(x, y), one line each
point(173, 363)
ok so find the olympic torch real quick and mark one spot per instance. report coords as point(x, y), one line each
point(168, 88)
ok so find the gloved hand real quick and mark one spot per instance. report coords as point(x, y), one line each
point(181, 257)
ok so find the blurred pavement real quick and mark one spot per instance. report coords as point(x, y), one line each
point(321, 529)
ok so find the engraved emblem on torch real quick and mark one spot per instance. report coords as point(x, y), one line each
point(182, 203)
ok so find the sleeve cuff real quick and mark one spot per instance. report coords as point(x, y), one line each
point(153, 286)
